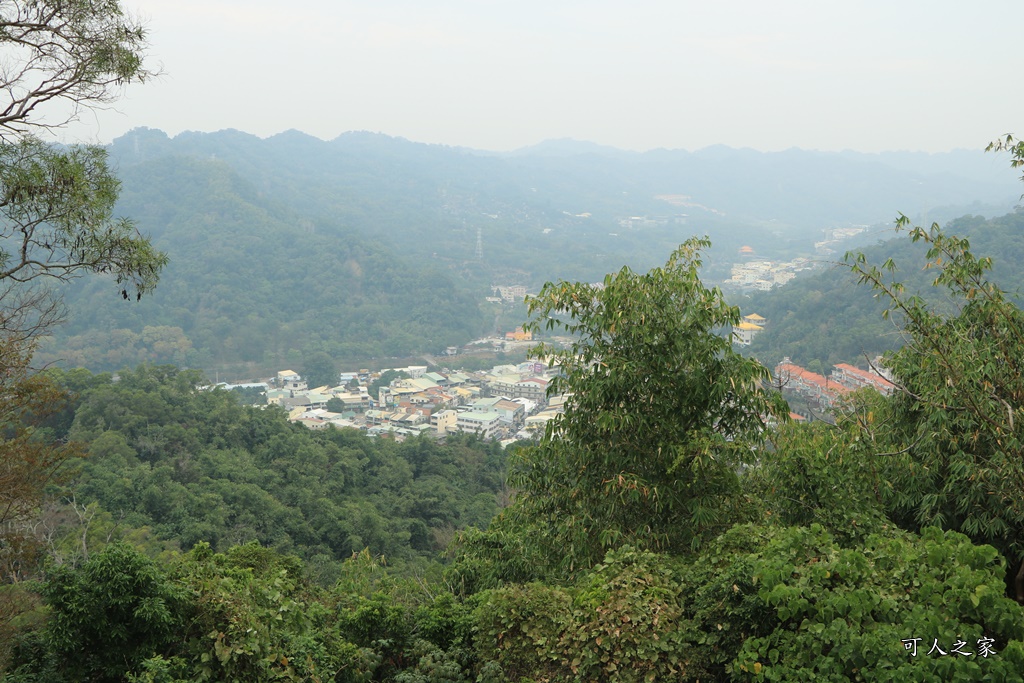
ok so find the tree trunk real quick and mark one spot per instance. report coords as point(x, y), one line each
point(1019, 583)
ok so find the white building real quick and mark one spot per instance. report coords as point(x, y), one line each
point(484, 424)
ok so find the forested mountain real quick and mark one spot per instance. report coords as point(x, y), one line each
point(191, 465)
point(254, 281)
point(825, 317)
point(366, 246)
point(658, 534)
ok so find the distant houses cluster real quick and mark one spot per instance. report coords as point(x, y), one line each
point(509, 294)
point(508, 402)
point(763, 275)
point(827, 392)
point(833, 237)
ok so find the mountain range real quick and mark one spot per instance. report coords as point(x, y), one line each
point(370, 246)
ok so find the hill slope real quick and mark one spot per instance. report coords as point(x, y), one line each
point(368, 245)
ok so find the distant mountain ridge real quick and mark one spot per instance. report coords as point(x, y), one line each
point(844, 186)
point(369, 244)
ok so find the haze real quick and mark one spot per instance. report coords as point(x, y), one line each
point(498, 75)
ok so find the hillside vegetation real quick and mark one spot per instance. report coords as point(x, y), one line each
point(653, 534)
point(366, 246)
point(826, 317)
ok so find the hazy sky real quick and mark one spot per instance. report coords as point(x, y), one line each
point(868, 75)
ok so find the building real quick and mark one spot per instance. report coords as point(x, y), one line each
point(510, 293)
point(755, 319)
point(810, 385)
point(519, 334)
point(744, 333)
point(444, 421)
point(484, 424)
point(532, 388)
point(855, 378)
point(289, 379)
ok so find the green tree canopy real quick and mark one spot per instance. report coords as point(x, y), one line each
point(955, 430)
point(56, 221)
point(660, 413)
point(109, 615)
point(319, 369)
point(56, 204)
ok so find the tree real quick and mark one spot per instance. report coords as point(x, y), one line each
point(56, 204)
point(319, 369)
point(76, 52)
point(954, 433)
point(27, 464)
point(660, 414)
point(107, 616)
point(56, 220)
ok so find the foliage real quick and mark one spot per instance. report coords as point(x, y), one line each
point(763, 603)
point(239, 616)
point(250, 621)
point(56, 223)
point(27, 463)
point(659, 413)
point(57, 207)
point(955, 427)
point(1009, 144)
point(81, 52)
point(31, 460)
point(426, 642)
point(56, 204)
point(319, 369)
point(194, 465)
point(844, 614)
point(822, 474)
point(107, 616)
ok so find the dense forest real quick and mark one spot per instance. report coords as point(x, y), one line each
point(672, 523)
point(825, 318)
point(652, 534)
point(251, 284)
point(365, 246)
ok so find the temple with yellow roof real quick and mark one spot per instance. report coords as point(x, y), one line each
point(744, 333)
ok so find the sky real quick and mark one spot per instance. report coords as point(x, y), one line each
point(870, 75)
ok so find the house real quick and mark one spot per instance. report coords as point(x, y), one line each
point(519, 334)
point(437, 378)
point(511, 412)
point(444, 421)
point(457, 378)
point(533, 388)
point(484, 424)
point(297, 401)
point(810, 385)
point(744, 333)
point(291, 380)
point(312, 423)
point(855, 378)
point(539, 422)
point(510, 293)
point(755, 319)
point(484, 405)
point(416, 371)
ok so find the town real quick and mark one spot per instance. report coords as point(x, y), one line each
point(506, 403)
